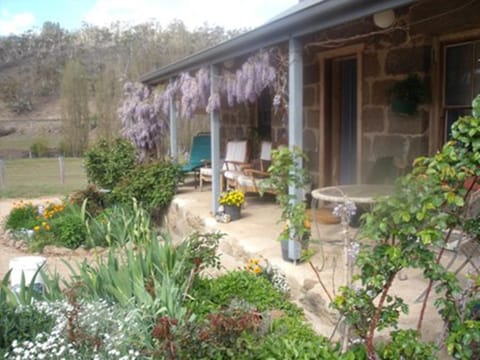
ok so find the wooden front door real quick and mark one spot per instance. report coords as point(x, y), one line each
point(340, 125)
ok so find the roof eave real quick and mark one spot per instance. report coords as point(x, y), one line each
point(318, 17)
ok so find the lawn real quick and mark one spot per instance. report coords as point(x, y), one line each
point(29, 178)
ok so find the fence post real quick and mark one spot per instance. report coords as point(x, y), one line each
point(2, 175)
point(62, 170)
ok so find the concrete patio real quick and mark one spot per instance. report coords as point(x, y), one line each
point(255, 236)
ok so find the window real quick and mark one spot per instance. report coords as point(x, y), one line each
point(461, 81)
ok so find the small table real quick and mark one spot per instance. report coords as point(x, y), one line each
point(359, 194)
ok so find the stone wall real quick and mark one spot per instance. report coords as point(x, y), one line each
point(386, 59)
point(385, 133)
point(236, 123)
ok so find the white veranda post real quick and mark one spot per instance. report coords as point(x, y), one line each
point(295, 111)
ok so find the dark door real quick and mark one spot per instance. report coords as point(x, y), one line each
point(341, 121)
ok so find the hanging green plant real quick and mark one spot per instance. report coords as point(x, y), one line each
point(407, 94)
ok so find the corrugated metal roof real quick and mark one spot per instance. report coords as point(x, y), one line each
point(303, 18)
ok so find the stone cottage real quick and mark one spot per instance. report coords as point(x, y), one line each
point(344, 59)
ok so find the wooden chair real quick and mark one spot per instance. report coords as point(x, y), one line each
point(253, 179)
point(236, 155)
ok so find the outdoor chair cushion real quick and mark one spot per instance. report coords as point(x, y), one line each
point(235, 160)
point(200, 152)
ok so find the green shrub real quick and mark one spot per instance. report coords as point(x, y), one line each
point(153, 185)
point(106, 164)
point(96, 200)
point(39, 148)
point(69, 228)
point(214, 294)
point(292, 338)
point(22, 216)
point(64, 148)
point(241, 297)
point(406, 344)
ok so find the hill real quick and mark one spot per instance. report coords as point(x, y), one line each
point(32, 64)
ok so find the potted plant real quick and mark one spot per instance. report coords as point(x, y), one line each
point(284, 174)
point(232, 202)
point(407, 94)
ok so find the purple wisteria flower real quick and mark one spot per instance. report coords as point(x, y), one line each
point(345, 210)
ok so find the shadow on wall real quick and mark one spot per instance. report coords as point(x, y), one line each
point(386, 170)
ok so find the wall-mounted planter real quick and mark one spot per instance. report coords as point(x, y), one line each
point(406, 94)
point(404, 107)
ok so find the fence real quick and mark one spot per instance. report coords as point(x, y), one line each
point(41, 176)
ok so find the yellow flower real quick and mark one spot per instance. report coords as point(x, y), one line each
point(257, 270)
point(232, 198)
point(36, 228)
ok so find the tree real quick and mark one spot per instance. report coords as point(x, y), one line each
point(106, 104)
point(74, 107)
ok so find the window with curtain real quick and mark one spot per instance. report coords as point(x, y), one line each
point(461, 81)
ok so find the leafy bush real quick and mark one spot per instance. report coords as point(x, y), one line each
point(69, 229)
point(291, 338)
point(234, 322)
point(50, 224)
point(214, 294)
point(106, 164)
point(39, 148)
point(22, 216)
point(153, 185)
point(96, 200)
point(406, 344)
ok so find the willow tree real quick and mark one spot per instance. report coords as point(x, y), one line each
point(106, 104)
point(74, 107)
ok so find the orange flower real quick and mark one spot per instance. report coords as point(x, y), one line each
point(307, 223)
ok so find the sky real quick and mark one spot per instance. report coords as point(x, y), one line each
point(17, 16)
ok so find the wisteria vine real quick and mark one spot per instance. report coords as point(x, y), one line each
point(144, 112)
point(142, 121)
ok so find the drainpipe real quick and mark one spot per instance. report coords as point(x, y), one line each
point(173, 129)
point(215, 142)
